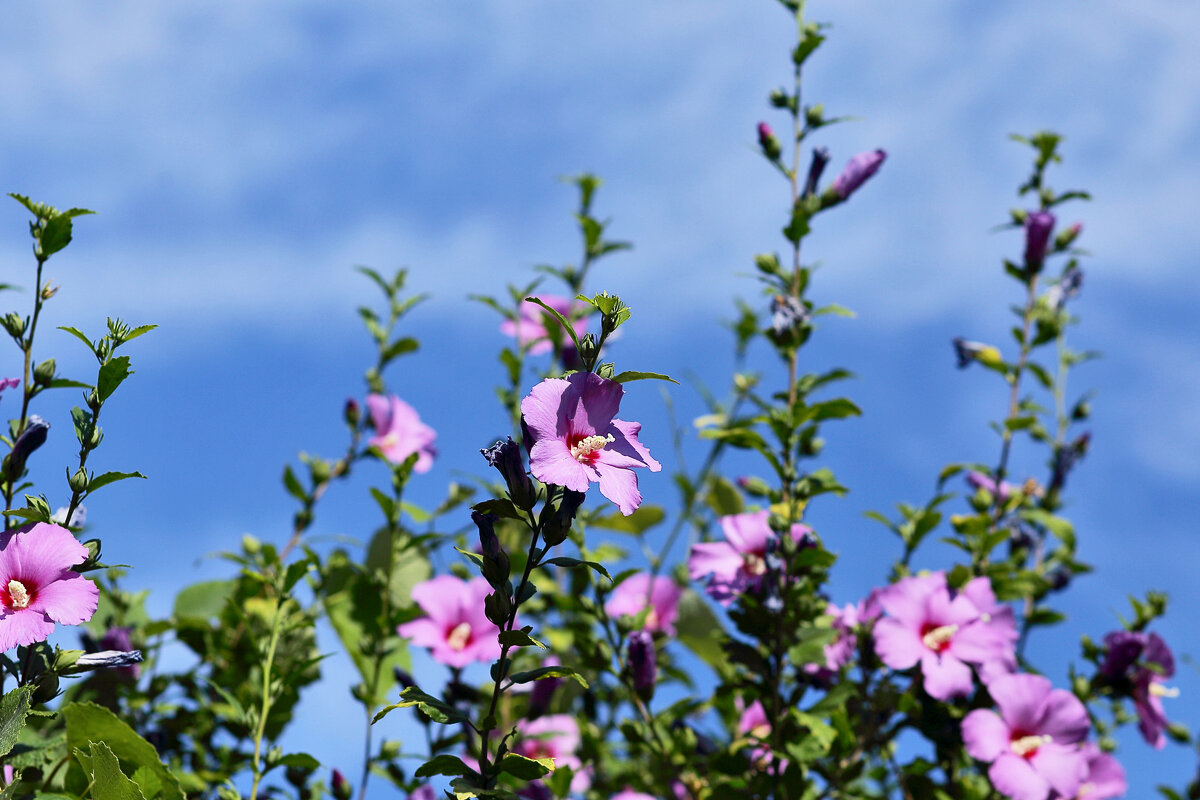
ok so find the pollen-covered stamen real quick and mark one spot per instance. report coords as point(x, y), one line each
point(459, 636)
point(582, 450)
point(18, 594)
point(1026, 746)
point(754, 564)
point(938, 638)
point(1158, 690)
point(761, 731)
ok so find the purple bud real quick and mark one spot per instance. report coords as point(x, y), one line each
point(820, 158)
point(857, 170)
point(33, 437)
point(340, 786)
point(1038, 226)
point(642, 662)
point(351, 412)
point(768, 142)
point(505, 456)
point(1123, 649)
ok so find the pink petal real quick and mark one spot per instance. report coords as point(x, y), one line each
point(1063, 767)
point(747, 532)
point(907, 599)
point(978, 643)
point(1020, 699)
point(381, 412)
point(985, 734)
point(716, 558)
point(424, 632)
point(473, 610)
point(23, 627)
point(945, 676)
point(39, 553)
point(628, 440)
point(543, 412)
point(599, 401)
point(71, 600)
point(898, 645)
point(440, 599)
point(551, 462)
point(620, 486)
point(979, 591)
point(1016, 777)
point(1064, 718)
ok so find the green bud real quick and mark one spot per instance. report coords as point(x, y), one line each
point(250, 545)
point(43, 373)
point(93, 401)
point(815, 115)
point(95, 437)
point(606, 370)
point(587, 349)
point(14, 324)
point(320, 470)
point(79, 481)
point(1018, 216)
point(780, 98)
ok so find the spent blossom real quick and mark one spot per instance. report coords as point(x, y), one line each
point(454, 626)
point(529, 327)
point(576, 440)
point(1032, 744)
point(857, 171)
point(659, 592)
point(1139, 663)
point(738, 563)
point(1038, 226)
point(399, 432)
point(926, 625)
point(37, 585)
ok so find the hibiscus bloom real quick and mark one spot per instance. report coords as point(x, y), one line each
point(1032, 744)
point(399, 432)
point(943, 634)
point(554, 736)
point(633, 594)
point(530, 326)
point(454, 626)
point(1105, 776)
point(857, 171)
point(1142, 662)
point(38, 587)
point(738, 563)
point(576, 441)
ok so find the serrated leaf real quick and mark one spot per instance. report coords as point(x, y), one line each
point(14, 707)
point(104, 771)
point(112, 374)
point(527, 769)
point(87, 722)
point(111, 477)
point(627, 376)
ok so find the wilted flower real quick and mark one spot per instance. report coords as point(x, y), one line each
point(577, 441)
point(118, 639)
point(738, 563)
point(505, 456)
point(1032, 744)
point(635, 592)
point(787, 314)
point(38, 587)
point(454, 625)
point(643, 662)
point(399, 432)
point(856, 172)
point(968, 351)
point(1067, 288)
point(1139, 663)
point(1038, 226)
point(530, 326)
point(820, 158)
point(926, 626)
point(988, 484)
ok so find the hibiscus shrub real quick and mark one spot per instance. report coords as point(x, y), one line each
point(609, 674)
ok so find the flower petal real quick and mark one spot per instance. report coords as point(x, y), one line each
point(542, 410)
point(70, 600)
point(628, 440)
point(1020, 699)
point(1064, 767)
point(23, 627)
point(1016, 777)
point(747, 532)
point(1064, 718)
point(945, 676)
point(716, 558)
point(897, 644)
point(551, 462)
point(985, 734)
point(620, 486)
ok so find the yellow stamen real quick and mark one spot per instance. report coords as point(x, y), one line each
point(754, 563)
point(761, 731)
point(459, 636)
point(1028, 744)
point(652, 618)
point(938, 637)
point(1158, 690)
point(588, 445)
point(18, 594)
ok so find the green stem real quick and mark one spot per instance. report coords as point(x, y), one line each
point(266, 701)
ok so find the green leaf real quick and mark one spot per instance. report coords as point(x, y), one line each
point(434, 708)
point(627, 376)
point(501, 507)
point(723, 498)
point(520, 638)
point(13, 709)
point(301, 760)
point(442, 765)
point(78, 334)
point(55, 235)
point(571, 563)
point(566, 326)
point(527, 769)
point(87, 722)
point(64, 383)
point(293, 486)
point(698, 629)
point(542, 673)
point(641, 520)
point(112, 374)
point(104, 774)
point(110, 477)
point(203, 601)
point(399, 348)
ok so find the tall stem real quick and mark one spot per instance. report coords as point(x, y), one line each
point(266, 701)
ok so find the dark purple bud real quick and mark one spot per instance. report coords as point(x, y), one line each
point(33, 437)
point(1123, 649)
point(643, 663)
point(403, 678)
point(505, 456)
point(1038, 226)
point(857, 170)
point(820, 158)
point(341, 787)
point(768, 142)
point(1019, 537)
point(489, 543)
point(1059, 578)
point(570, 358)
point(351, 412)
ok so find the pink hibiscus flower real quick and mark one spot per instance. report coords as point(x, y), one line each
point(554, 736)
point(454, 626)
point(1140, 663)
point(530, 327)
point(1105, 776)
point(926, 626)
point(1032, 744)
point(399, 432)
point(38, 587)
point(576, 441)
point(632, 595)
point(738, 563)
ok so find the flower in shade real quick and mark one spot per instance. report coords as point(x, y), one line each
point(738, 563)
point(985, 482)
point(637, 591)
point(399, 432)
point(423, 793)
point(1032, 744)
point(630, 794)
point(38, 587)
point(529, 327)
point(1105, 776)
point(9, 383)
point(577, 441)
point(944, 634)
point(754, 724)
point(856, 172)
point(554, 736)
point(1139, 663)
point(1038, 226)
point(454, 626)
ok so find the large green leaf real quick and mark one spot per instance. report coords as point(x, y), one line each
point(103, 769)
point(13, 709)
point(87, 723)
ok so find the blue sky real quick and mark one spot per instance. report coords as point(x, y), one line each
point(245, 156)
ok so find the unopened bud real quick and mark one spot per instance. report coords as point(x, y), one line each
point(79, 481)
point(767, 141)
point(856, 172)
point(14, 324)
point(340, 787)
point(780, 98)
point(820, 158)
point(1059, 578)
point(33, 437)
point(43, 373)
point(351, 412)
point(1066, 237)
point(1038, 226)
point(643, 663)
point(49, 291)
point(505, 456)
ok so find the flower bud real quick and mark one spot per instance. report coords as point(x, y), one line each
point(33, 437)
point(820, 158)
point(767, 141)
point(1038, 226)
point(43, 373)
point(1065, 238)
point(780, 98)
point(505, 456)
point(340, 787)
point(351, 412)
point(643, 664)
point(556, 528)
point(1059, 578)
point(78, 481)
point(857, 171)
point(968, 351)
point(14, 324)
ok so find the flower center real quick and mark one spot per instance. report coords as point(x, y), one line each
point(458, 636)
point(582, 451)
point(938, 639)
point(652, 618)
point(754, 564)
point(1026, 746)
point(18, 594)
point(760, 731)
point(1158, 690)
